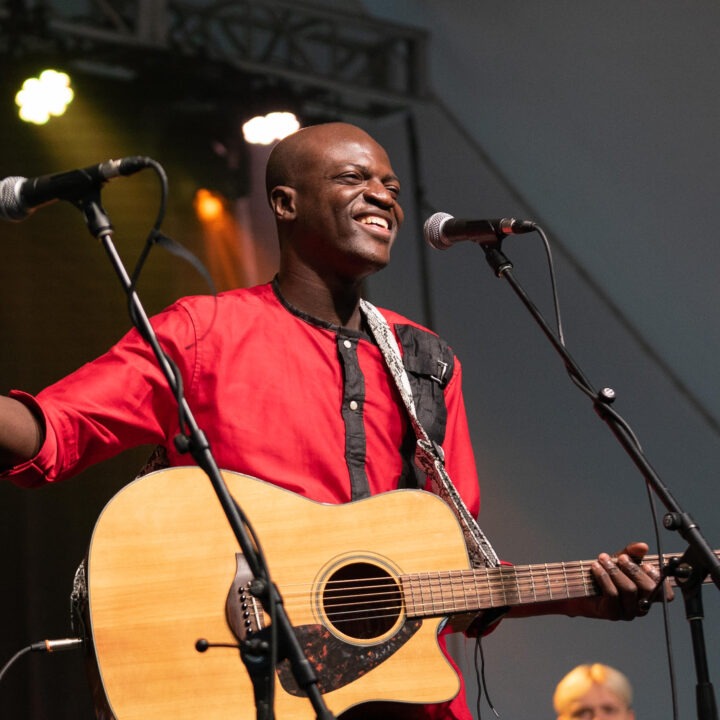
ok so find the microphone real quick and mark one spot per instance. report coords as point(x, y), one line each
point(442, 230)
point(20, 196)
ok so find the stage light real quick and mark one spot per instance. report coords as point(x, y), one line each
point(43, 97)
point(266, 129)
point(208, 205)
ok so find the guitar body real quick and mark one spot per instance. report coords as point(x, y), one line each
point(164, 570)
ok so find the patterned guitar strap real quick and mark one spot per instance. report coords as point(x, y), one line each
point(429, 455)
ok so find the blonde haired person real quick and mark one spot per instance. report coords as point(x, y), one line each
point(594, 692)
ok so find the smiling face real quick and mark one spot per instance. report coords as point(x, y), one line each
point(335, 196)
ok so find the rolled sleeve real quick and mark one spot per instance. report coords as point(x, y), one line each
point(38, 470)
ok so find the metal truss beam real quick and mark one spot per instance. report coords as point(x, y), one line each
point(340, 59)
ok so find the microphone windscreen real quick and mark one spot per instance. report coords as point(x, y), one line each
point(10, 206)
point(432, 230)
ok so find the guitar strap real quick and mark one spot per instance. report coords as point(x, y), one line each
point(429, 455)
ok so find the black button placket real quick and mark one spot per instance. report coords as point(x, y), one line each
point(353, 402)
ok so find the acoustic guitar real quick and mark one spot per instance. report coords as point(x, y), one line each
point(366, 587)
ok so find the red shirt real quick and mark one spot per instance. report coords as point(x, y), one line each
point(281, 396)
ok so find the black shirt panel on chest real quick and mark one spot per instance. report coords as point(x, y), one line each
point(430, 364)
point(353, 401)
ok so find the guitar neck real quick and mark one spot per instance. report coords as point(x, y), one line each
point(461, 591)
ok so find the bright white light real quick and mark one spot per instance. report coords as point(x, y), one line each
point(45, 96)
point(265, 129)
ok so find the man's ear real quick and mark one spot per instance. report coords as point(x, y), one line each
point(282, 202)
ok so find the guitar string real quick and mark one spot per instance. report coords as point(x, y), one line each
point(499, 576)
point(518, 583)
point(428, 607)
point(559, 586)
point(506, 577)
point(435, 607)
point(515, 576)
point(358, 605)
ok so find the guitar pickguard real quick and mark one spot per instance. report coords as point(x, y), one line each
point(338, 663)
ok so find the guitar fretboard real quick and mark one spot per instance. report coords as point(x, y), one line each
point(434, 594)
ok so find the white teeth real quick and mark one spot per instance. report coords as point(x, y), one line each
point(374, 220)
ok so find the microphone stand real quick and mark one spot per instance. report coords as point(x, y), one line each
point(257, 652)
point(699, 560)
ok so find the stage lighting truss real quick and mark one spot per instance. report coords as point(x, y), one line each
point(337, 61)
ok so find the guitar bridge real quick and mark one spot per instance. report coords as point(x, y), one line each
point(243, 610)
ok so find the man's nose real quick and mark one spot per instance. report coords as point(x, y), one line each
point(378, 193)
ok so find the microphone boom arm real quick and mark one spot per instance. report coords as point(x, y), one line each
point(681, 521)
point(699, 557)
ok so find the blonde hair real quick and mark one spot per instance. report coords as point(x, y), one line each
point(580, 679)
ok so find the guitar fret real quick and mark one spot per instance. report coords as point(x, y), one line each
point(419, 604)
point(549, 585)
point(502, 585)
point(503, 577)
point(447, 587)
point(460, 590)
point(490, 593)
point(532, 583)
point(443, 591)
point(463, 590)
point(408, 585)
point(437, 584)
point(466, 581)
point(476, 593)
point(454, 577)
point(584, 575)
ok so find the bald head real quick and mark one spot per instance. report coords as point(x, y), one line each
point(291, 158)
point(334, 196)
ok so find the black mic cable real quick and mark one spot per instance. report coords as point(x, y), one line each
point(47, 646)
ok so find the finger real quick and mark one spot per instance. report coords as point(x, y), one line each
point(658, 593)
point(633, 584)
point(604, 568)
point(606, 573)
point(630, 587)
point(647, 579)
point(636, 550)
point(637, 575)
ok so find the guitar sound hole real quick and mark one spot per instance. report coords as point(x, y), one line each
point(362, 601)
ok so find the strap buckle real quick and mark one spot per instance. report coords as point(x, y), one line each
point(442, 369)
